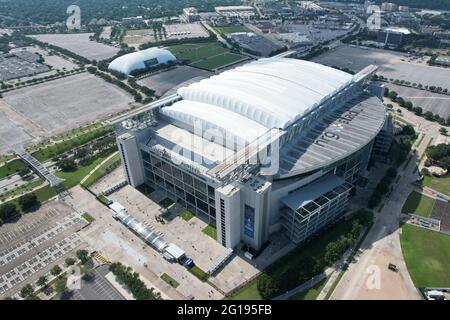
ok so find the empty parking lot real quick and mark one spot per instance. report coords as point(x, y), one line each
point(80, 44)
point(390, 65)
point(57, 106)
point(164, 81)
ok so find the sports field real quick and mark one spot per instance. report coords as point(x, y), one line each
point(427, 256)
point(208, 55)
point(232, 29)
point(419, 204)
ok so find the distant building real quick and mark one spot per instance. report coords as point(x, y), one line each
point(403, 8)
point(403, 18)
point(445, 61)
point(133, 20)
point(190, 15)
point(311, 6)
point(236, 11)
point(388, 6)
point(392, 35)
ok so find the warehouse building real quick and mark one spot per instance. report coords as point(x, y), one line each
point(271, 146)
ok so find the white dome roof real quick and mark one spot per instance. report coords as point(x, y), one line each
point(136, 60)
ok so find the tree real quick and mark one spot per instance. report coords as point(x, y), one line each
point(374, 200)
point(83, 256)
point(24, 171)
point(42, 281)
point(26, 291)
point(28, 201)
point(60, 285)
point(382, 187)
point(408, 105)
point(55, 270)
point(429, 116)
point(391, 172)
point(7, 211)
point(70, 261)
point(67, 165)
point(266, 286)
point(418, 111)
point(393, 95)
point(408, 130)
point(443, 131)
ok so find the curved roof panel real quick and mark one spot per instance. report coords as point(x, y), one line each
point(274, 92)
point(211, 117)
point(140, 60)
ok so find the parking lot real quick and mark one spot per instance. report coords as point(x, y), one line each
point(391, 64)
point(30, 246)
point(428, 101)
point(57, 106)
point(80, 44)
point(164, 81)
point(97, 288)
point(20, 64)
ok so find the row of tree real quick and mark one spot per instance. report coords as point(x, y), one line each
point(284, 276)
point(131, 279)
point(382, 187)
point(27, 202)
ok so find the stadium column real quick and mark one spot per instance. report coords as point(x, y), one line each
point(131, 159)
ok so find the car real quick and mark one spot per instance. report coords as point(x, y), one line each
point(392, 267)
point(187, 262)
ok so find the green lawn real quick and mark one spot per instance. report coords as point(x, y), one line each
point(88, 217)
point(11, 167)
point(312, 293)
point(207, 55)
point(312, 250)
point(217, 61)
point(74, 178)
point(45, 193)
point(419, 204)
point(211, 231)
point(199, 273)
point(171, 281)
point(61, 147)
point(232, 29)
point(441, 184)
point(186, 215)
point(248, 292)
point(101, 171)
point(22, 190)
point(427, 256)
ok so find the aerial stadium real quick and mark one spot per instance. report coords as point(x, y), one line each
point(141, 60)
point(271, 146)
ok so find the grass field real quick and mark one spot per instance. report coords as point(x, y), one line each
point(312, 293)
point(74, 178)
point(171, 281)
point(199, 273)
point(22, 190)
point(419, 204)
point(217, 61)
point(166, 202)
point(427, 256)
point(441, 184)
point(314, 249)
point(232, 29)
point(207, 55)
point(186, 215)
point(101, 171)
point(210, 231)
point(248, 292)
point(61, 147)
point(88, 217)
point(11, 167)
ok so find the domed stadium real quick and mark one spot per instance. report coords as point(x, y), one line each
point(141, 60)
point(317, 126)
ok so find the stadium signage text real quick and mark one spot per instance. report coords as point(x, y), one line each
point(332, 133)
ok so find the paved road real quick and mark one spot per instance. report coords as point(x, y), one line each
point(382, 244)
